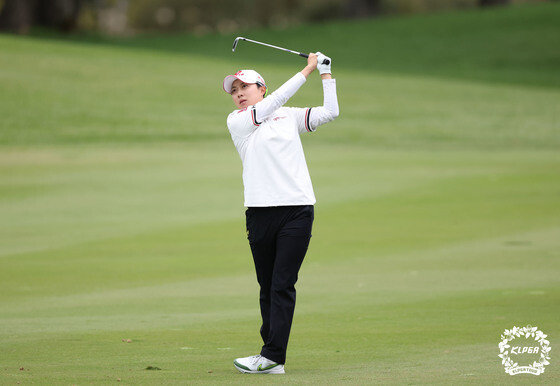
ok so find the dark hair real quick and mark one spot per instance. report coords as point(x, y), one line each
point(259, 85)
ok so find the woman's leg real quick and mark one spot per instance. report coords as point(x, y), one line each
point(261, 235)
point(292, 241)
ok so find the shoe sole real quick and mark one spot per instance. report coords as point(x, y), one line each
point(271, 371)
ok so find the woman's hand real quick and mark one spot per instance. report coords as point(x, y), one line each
point(324, 65)
point(311, 64)
point(312, 61)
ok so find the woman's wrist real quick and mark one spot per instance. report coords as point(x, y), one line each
point(326, 76)
point(307, 70)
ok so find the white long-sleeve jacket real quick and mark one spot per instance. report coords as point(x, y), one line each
point(266, 136)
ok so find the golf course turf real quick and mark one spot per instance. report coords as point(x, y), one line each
point(123, 253)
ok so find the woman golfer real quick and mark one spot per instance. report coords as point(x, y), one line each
point(278, 194)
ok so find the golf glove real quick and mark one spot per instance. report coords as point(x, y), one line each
point(323, 68)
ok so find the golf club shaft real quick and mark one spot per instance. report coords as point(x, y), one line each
point(278, 48)
point(272, 46)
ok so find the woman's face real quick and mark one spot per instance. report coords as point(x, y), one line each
point(246, 94)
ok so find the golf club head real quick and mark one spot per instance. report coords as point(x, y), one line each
point(235, 43)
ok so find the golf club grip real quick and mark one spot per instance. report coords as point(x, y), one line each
point(326, 61)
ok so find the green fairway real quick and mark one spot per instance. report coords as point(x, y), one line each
point(437, 224)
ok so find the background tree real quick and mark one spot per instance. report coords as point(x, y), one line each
point(20, 15)
point(362, 8)
point(484, 3)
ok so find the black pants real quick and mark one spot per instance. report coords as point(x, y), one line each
point(279, 237)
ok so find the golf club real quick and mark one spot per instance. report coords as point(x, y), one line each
point(237, 39)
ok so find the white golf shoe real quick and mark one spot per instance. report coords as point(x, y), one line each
point(257, 364)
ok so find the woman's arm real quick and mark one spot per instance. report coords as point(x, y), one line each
point(278, 98)
point(329, 111)
point(242, 123)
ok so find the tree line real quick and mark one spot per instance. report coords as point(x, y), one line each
point(122, 17)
